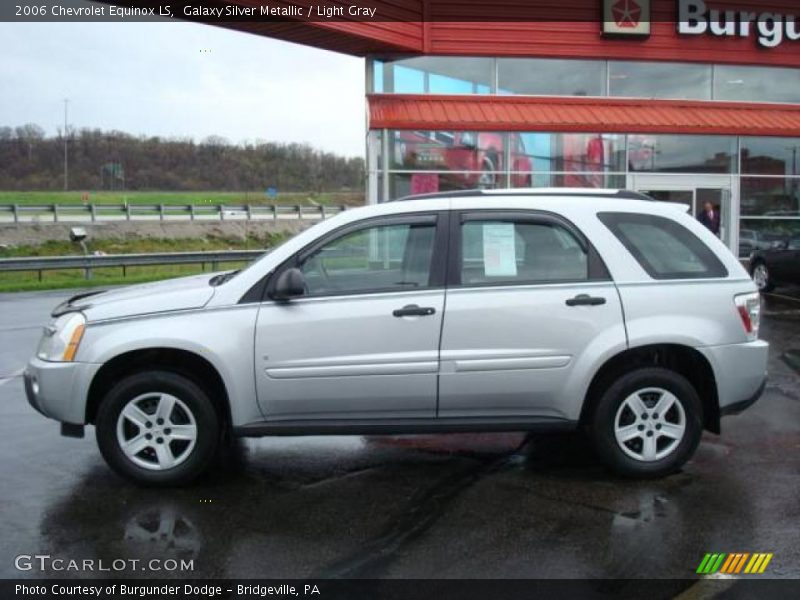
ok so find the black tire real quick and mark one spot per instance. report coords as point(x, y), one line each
point(150, 383)
point(768, 285)
point(605, 414)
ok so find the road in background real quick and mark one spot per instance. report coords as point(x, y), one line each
point(454, 506)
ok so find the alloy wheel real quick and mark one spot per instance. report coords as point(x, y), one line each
point(156, 431)
point(650, 424)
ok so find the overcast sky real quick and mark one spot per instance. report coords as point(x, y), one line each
point(153, 79)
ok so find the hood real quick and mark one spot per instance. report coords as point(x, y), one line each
point(160, 296)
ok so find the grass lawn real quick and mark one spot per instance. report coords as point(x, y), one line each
point(210, 197)
point(74, 278)
point(19, 281)
point(145, 245)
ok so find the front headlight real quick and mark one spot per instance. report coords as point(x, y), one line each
point(62, 337)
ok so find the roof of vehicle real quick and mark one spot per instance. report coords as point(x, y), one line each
point(560, 200)
point(563, 191)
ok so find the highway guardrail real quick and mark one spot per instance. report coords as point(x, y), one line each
point(93, 261)
point(56, 213)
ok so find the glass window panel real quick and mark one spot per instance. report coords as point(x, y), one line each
point(659, 80)
point(663, 247)
point(576, 180)
point(408, 81)
point(377, 76)
point(756, 84)
point(389, 257)
point(547, 77)
point(442, 84)
point(681, 153)
point(592, 154)
point(446, 150)
point(770, 156)
point(425, 182)
point(770, 197)
point(507, 252)
point(439, 75)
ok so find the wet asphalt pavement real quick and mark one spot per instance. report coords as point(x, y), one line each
point(443, 506)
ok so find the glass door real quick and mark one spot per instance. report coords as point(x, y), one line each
point(713, 209)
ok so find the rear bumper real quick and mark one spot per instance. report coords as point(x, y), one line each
point(737, 407)
point(740, 371)
point(58, 390)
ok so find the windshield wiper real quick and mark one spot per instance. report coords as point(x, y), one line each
point(222, 278)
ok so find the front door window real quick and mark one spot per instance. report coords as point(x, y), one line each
point(379, 258)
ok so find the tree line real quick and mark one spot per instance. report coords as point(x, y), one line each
point(114, 160)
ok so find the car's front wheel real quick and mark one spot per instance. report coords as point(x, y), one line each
point(647, 423)
point(157, 428)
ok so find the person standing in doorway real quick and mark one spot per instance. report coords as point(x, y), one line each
point(710, 218)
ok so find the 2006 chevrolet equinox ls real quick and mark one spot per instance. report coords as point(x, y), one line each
point(548, 309)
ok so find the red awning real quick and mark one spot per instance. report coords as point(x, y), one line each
point(601, 115)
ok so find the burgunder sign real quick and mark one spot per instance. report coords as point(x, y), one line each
point(631, 18)
point(770, 29)
point(626, 17)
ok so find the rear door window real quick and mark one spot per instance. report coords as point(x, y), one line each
point(664, 248)
point(520, 251)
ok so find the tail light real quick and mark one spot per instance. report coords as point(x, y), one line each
point(749, 307)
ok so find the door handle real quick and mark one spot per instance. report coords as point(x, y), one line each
point(585, 300)
point(412, 310)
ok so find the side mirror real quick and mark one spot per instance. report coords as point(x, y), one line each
point(780, 245)
point(291, 283)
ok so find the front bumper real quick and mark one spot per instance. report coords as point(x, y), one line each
point(740, 371)
point(58, 390)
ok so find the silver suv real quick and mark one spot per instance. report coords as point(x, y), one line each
point(530, 310)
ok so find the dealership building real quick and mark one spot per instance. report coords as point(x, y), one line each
point(701, 107)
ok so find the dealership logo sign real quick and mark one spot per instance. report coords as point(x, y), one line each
point(734, 563)
point(626, 17)
point(770, 29)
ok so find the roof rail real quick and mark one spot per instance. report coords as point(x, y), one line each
point(591, 192)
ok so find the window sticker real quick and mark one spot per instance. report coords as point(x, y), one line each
point(499, 250)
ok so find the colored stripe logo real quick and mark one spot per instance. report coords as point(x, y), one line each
point(734, 563)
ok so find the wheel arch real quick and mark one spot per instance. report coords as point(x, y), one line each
point(180, 361)
point(682, 359)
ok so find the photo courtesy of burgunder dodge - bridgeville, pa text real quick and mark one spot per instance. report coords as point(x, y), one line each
point(378, 299)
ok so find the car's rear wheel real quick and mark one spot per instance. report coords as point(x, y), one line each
point(647, 423)
point(157, 428)
point(761, 277)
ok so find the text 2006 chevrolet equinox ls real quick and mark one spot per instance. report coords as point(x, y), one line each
point(506, 310)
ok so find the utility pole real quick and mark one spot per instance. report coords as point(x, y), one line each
point(66, 168)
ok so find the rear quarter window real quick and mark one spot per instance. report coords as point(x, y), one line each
point(664, 248)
